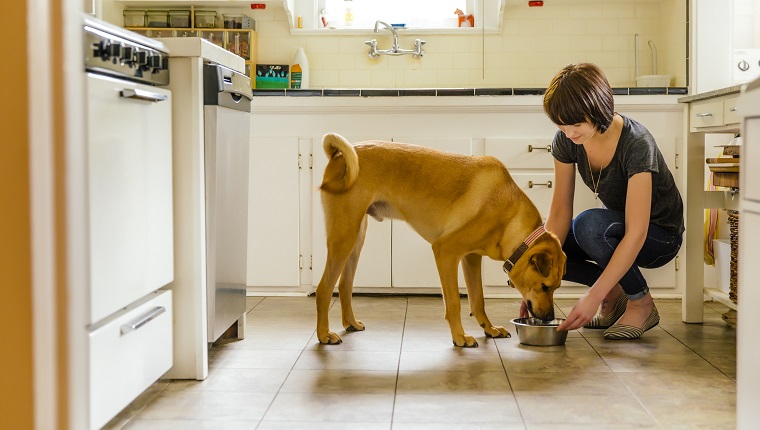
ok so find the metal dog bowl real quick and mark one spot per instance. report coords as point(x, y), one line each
point(536, 332)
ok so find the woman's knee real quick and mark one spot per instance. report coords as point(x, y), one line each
point(591, 223)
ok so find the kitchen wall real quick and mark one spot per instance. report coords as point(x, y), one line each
point(535, 42)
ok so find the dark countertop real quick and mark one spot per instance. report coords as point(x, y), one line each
point(442, 92)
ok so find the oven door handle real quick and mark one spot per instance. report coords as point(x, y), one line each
point(138, 94)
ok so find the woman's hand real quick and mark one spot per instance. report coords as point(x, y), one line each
point(524, 310)
point(583, 312)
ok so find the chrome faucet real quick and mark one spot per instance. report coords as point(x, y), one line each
point(393, 30)
point(395, 49)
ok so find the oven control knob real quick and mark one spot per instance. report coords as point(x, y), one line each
point(743, 65)
point(127, 55)
point(141, 58)
point(101, 50)
point(154, 61)
point(114, 50)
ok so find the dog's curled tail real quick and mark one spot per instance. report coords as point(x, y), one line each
point(333, 145)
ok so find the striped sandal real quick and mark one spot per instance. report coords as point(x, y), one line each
point(605, 321)
point(627, 332)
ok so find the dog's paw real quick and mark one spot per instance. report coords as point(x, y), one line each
point(356, 326)
point(497, 331)
point(467, 341)
point(330, 339)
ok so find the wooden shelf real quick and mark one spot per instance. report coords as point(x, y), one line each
point(720, 296)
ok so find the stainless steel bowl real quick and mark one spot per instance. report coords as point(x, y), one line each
point(536, 332)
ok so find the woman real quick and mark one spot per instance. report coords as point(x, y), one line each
point(641, 221)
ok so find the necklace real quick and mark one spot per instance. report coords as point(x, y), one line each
point(599, 179)
point(595, 183)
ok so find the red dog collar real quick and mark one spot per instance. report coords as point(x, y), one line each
point(512, 260)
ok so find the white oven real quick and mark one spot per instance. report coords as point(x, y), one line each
point(129, 194)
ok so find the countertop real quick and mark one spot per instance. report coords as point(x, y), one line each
point(446, 92)
point(711, 94)
point(198, 47)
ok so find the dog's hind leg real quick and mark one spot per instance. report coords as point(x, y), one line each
point(447, 263)
point(471, 265)
point(341, 239)
point(346, 284)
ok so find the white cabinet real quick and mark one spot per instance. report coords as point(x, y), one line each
point(274, 213)
point(412, 261)
point(374, 268)
point(288, 243)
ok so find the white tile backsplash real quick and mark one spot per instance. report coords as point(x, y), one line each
point(532, 45)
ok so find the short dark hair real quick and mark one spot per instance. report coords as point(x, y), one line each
point(580, 92)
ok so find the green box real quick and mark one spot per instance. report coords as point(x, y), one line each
point(272, 76)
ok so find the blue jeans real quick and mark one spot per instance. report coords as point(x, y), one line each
point(593, 237)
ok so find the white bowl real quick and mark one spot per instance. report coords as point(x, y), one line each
point(653, 81)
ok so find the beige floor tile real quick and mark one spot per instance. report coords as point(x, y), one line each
point(583, 409)
point(707, 384)
point(662, 362)
point(340, 381)
point(591, 426)
point(718, 411)
point(458, 359)
point(207, 405)
point(368, 340)
point(463, 381)
point(467, 409)
point(310, 425)
point(567, 383)
point(253, 359)
point(141, 424)
point(337, 359)
point(260, 340)
point(339, 408)
point(404, 373)
point(233, 380)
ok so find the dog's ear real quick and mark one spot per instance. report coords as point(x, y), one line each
point(542, 262)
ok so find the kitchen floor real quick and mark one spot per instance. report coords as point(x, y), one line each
point(404, 373)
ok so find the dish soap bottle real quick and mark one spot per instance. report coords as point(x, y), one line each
point(299, 71)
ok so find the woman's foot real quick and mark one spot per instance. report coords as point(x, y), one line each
point(637, 311)
point(640, 316)
point(613, 307)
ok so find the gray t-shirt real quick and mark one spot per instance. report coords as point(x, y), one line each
point(636, 152)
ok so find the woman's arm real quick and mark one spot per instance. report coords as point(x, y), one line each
point(637, 211)
point(561, 209)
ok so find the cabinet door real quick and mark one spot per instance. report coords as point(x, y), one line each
point(412, 257)
point(273, 213)
point(532, 168)
point(374, 269)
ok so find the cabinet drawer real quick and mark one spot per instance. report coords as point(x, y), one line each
point(128, 354)
point(538, 187)
point(706, 115)
point(523, 153)
point(730, 114)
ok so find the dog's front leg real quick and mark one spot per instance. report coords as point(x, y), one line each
point(471, 264)
point(447, 271)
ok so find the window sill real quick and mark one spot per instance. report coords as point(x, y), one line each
point(401, 31)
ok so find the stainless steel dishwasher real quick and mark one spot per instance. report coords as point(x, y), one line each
point(227, 105)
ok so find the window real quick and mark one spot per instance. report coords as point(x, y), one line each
point(412, 13)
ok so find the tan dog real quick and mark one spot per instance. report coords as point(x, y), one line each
point(465, 206)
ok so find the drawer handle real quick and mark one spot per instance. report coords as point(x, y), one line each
point(547, 184)
point(142, 320)
point(703, 114)
point(733, 109)
point(548, 148)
